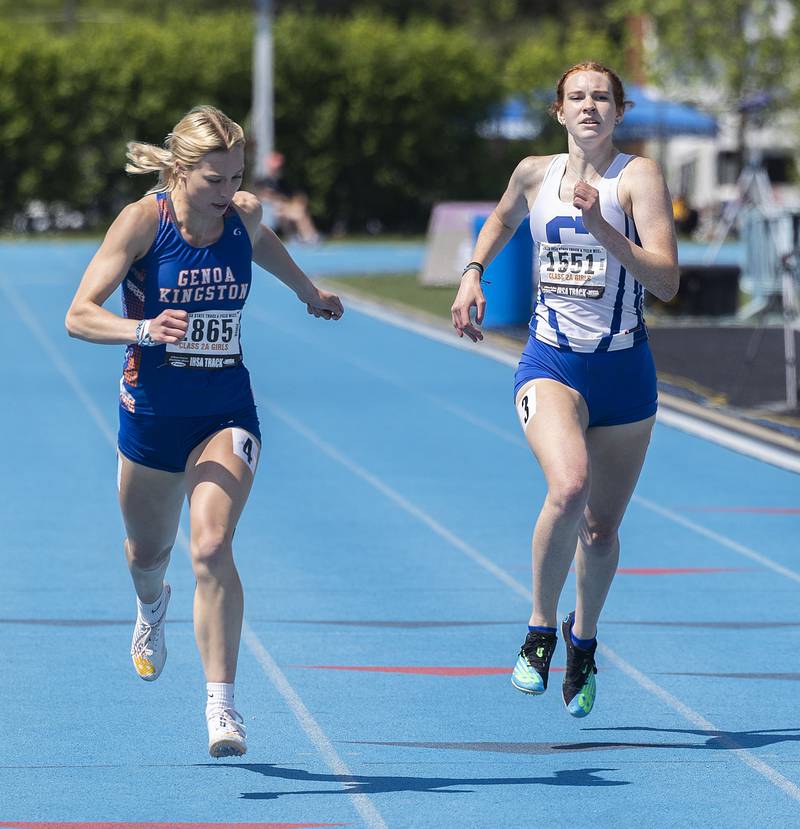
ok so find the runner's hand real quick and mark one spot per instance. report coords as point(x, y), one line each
point(587, 200)
point(325, 305)
point(169, 326)
point(469, 296)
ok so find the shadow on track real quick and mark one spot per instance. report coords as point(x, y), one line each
point(384, 784)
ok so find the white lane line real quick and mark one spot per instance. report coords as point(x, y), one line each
point(666, 416)
point(692, 716)
point(446, 334)
point(730, 440)
point(510, 437)
point(370, 814)
point(58, 361)
point(290, 331)
point(759, 766)
point(719, 538)
point(361, 802)
point(396, 498)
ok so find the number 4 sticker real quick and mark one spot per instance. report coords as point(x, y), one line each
point(246, 447)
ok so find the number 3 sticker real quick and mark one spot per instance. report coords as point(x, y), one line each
point(246, 447)
point(526, 407)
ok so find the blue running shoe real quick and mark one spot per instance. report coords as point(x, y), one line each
point(579, 687)
point(533, 663)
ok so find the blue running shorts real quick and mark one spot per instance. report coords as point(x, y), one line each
point(165, 442)
point(618, 386)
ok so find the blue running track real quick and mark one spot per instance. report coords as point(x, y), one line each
point(385, 558)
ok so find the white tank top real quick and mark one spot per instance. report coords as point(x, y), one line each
point(586, 300)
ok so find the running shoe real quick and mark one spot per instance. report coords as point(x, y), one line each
point(579, 687)
point(533, 664)
point(148, 646)
point(226, 734)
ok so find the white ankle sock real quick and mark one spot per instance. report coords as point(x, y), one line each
point(152, 612)
point(219, 696)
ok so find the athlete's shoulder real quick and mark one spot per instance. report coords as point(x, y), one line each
point(640, 178)
point(532, 168)
point(136, 225)
point(249, 208)
point(143, 212)
point(643, 169)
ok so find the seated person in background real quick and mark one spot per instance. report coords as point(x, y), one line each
point(686, 218)
point(285, 209)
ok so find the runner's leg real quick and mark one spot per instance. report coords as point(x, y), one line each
point(555, 432)
point(617, 455)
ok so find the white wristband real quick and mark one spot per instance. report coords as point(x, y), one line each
point(143, 333)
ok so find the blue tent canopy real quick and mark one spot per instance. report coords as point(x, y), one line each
point(652, 117)
point(649, 117)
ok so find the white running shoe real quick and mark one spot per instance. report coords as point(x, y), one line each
point(226, 734)
point(148, 646)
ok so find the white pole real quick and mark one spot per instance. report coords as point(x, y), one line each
point(263, 116)
point(790, 319)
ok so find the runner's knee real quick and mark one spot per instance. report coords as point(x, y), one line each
point(211, 550)
point(145, 556)
point(568, 494)
point(599, 540)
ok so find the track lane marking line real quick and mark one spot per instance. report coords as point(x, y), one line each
point(674, 703)
point(689, 714)
point(741, 444)
point(361, 802)
point(516, 440)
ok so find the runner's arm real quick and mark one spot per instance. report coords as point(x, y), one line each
point(270, 254)
point(498, 228)
point(128, 238)
point(655, 263)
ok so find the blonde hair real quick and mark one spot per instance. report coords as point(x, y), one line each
point(204, 129)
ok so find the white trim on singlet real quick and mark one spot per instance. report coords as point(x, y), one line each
point(613, 321)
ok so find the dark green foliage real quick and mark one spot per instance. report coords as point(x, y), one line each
point(377, 119)
point(68, 104)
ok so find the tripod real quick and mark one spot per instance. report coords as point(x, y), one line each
point(752, 188)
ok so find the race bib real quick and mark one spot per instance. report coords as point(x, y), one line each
point(211, 341)
point(572, 270)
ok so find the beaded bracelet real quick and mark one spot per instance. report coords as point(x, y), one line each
point(474, 266)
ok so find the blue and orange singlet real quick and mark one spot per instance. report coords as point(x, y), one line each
point(204, 374)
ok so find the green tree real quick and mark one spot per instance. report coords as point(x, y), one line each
point(536, 64)
point(740, 48)
point(377, 120)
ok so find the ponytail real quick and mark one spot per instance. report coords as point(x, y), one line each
point(148, 158)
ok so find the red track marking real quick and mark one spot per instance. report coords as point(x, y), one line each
point(426, 670)
point(670, 571)
point(763, 510)
point(18, 824)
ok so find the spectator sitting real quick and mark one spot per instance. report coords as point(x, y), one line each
point(285, 209)
point(686, 218)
